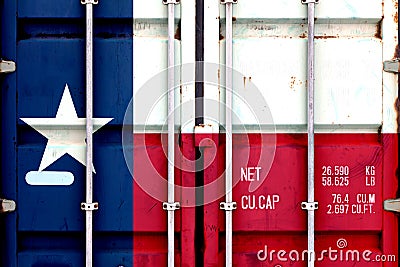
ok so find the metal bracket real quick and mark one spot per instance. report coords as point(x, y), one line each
point(309, 205)
point(392, 66)
point(7, 205)
point(309, 1)
point(392, 205)
point(171, 206)
point(93, 2)
point(228, 206)
point(229, 1)
point(175, 2)
point(89, 206)
point(7, 66)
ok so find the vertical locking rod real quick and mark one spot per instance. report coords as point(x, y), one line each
point(171, 133)
point(310, 206)
point(228, 162)
point(171, 206)
point(89, 132)
point(228, 206)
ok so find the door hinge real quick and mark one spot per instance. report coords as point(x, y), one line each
point(392, 205)
point(309, 205)
point(229, 1)
point(89, 206)
point(7, 205)
point(92, 2)
point(309, 1)
point(392, 66)
point(171, 206)
point(228, 206)
point(7, 66)
point(167, 2)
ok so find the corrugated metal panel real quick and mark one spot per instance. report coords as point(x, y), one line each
point(272, 48)
point(270, 54)
point(49, 49)
point(353, 38)
point(356, 151)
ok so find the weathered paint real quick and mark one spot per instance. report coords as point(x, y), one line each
point(49, 50)
point(355, 122)
point(356, 116)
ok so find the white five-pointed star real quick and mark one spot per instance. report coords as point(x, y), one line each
point(66, 133)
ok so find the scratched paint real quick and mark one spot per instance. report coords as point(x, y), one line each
point(354, 123)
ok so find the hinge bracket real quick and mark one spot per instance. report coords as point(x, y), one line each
point(309, 205)
point(7, 205)
point(171, 206)
point(89, 206)
point(309, 1)
point(392, 66)
point(175, 2)
point(229, 1)
point(7, 66)
point(93, 2)
point(228, 206)
point(392, 205)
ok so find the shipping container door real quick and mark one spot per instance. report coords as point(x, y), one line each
point(355, 133)
point(43, 141)
point(149, 115)
point(43, 134)
point(355, 119)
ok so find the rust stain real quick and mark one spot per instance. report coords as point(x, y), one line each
point(244, 81)
point(326, 36)
point(378, 32)
point(397, 52)
point(233, 18)
point(295, 82)
point(178, 32)
point(303, 35)
point(263, 28)
point(292, 82)
point(250, 79)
